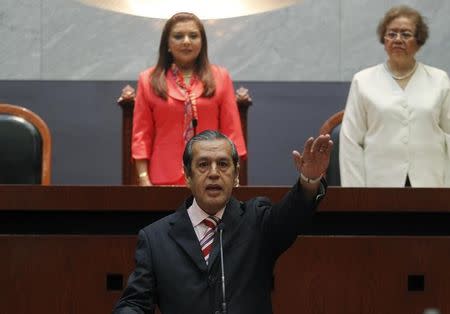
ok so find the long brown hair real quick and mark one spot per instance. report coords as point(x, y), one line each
point(165, 59)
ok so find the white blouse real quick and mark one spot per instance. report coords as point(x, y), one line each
point(389, 133)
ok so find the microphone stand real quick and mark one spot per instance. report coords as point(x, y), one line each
point(224, 302)
point(194, 115)
point(194, 124)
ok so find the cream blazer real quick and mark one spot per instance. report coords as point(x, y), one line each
point(388, 133)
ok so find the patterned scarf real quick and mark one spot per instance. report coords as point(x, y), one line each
point(190, 106)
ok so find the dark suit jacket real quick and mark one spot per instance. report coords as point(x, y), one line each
point(171, 272)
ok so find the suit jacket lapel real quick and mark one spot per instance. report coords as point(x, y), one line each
point(184, 235)
point(231, 221)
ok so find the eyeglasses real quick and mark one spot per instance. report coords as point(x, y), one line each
point(406, 35)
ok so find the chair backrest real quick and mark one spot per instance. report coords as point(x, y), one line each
point(25, 147)
point(126, 102)
point(333, 127)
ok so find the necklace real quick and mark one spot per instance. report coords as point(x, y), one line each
point(401, 77)
point(187, 78)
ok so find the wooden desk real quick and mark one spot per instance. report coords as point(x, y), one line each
point(65, 248)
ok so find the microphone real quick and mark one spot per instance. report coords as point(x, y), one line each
point(221, 226)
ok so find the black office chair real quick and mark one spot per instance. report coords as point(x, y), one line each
point(25, 147)
point(333, 127)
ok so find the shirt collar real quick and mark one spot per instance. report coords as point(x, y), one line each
point(197, 215)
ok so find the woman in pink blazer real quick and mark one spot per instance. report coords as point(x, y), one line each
point(181, 96)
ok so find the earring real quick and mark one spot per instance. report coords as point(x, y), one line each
point(236, 182)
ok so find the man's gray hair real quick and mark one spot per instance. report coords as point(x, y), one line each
point(208, 135)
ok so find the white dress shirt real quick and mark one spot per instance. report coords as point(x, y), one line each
point(389, 133)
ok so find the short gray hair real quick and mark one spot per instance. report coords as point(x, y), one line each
point(393, 13)
point(208, 135)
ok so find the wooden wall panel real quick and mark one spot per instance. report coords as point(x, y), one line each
point(362, 275)
point(318, 275)
point(62, 274)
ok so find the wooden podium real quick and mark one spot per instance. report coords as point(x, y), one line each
point(69, 249)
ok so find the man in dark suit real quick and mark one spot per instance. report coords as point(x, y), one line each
point(178, 265)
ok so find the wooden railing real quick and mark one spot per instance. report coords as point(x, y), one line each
point(69, 249)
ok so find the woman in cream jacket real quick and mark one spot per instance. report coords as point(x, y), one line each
point(396, 126)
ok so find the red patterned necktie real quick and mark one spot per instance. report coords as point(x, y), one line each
point(206, 242)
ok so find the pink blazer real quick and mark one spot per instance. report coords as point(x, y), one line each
point(158, 124)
